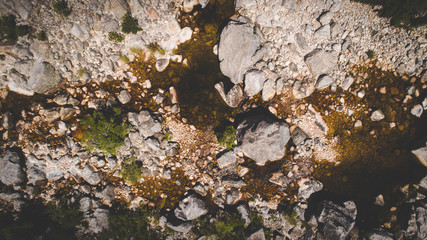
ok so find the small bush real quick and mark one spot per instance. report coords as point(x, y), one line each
point(104, 132)
point(290, 215)
point(9, 31)
point(131, 170)
point(115, 37)
point(124, 59)
point(61, 7)
point(42, 36)
point(227, 138)
point(127, 224)
point(228, 226)
point(371, 54)
point(81, 72)
point(130, 24)
point(2, 57)
point(155, 47)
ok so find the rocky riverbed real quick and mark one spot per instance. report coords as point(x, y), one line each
point(211, 119)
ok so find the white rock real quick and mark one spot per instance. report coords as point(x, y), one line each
point(162, 64)
point(417, 110)
point(377, 115)
point(185, 34)
point(124, 97)
point(324, 82)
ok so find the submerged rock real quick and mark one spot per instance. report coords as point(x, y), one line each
point(237, 47)
point(11, 172)
point(336, 221)
point(377, 115)
point(262, 138)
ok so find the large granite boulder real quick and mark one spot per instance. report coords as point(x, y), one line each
point(262, 138)
point(11, 172)
point(237, 49)
point(190, 208)
point(336, 221)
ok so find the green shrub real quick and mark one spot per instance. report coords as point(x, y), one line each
point(2, 57)
point(104, 132)
point(81, 72)
point(9, 31)
point(124, 59)
point(402, 13)
point(290, 215)
point(168, 136)
point(131, 170)
point(130, 24)
point(61, 7)
point(227, 138)
point(155, 47)
point(127, 224)
point(37, 221)
point(371, 54)
point(229, 226)
point(42, 36)
point(115, 37)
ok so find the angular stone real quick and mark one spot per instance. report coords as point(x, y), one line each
point(377, 115)
point(226, 159)
point(90, 176)
point(233, 97)
point(336, 221)
point(258, 235)
point(298, 136)
point(254, 81)
point(269, 90)
point(324, 82)
point(11, 172)
point(190, 208)
point(421, 154)
point(262, 138)
point(308, 187)
point(162, 64)
point(417, 110)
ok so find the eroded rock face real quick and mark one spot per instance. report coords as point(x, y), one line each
point(336, 221)
point(11, 172)
point(237, 49)
point(262, 138)
point(190, 208)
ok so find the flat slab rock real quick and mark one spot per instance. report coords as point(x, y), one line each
point(262, 138)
